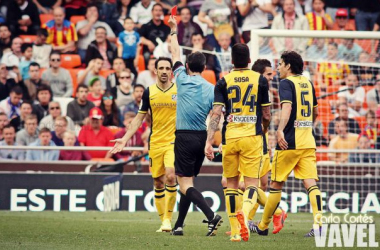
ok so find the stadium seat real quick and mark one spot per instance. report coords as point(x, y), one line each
point(114, 129)
point(74, 76)
point(69, 61)
point(42, 70)
point(76, 19)
point(362, 121)
point(141, 64)
point(44, 18)
point(166, 19)
point(103, 159)
point(106, 72)
point(209, 75)
point(63, 102)
point(28, 38)
point(322, 156)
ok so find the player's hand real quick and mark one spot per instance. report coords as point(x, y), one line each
point(118, 147)
point(209, 151)
point(172, 23)
point(220, 148)
point(281, 140)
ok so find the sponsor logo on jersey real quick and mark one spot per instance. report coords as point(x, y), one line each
point(242, 119)
point(174, 97)
point(303, 124)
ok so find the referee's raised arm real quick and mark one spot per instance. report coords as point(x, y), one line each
point(174, 41)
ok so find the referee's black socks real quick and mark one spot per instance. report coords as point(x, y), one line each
point(196, 197)
point(183, 208)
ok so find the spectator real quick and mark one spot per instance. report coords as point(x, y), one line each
point(148, 77)
point(129, 45)
point(29, 134)
point(60, 127)
point(41, 106)
point(59, 78)
point(153, 30)
point(186, 28)
point(47, 6)
point(123, 92)
point(375, 50)
point(354, 96)
point(332, 72)
point(18, 122)
point(342, 21)
point(101, 47)
point(96, 134)
point(349, 50)
point(112, 116)
point(6, 84)
point(23, 17)
point(118, 66)
point(70, 140)
point(9, 140)
point(79, 108)
point(318, 19)
point(373, 96)
point(343, 140)
point(96, 91)
point(364, 143)
point(11, 57)
point(5, 38)
point(224, 60)
point(3, 122)
point(34, 81)
point(168, 4)
point(86, 30)
point(134, 105)
point(255, 15)
point(135, 141)
point(353, 126)
point(41, 50)
point(92, 70)
point(366, 14)
point(116, 13)
point(141, 12)
point(44, 139)
point(367, 75)
point(55, 112)
point(75, 7)
point(303, 6)
point(370, 130)
point(277, 10)
point(333, 6)
point(62, 34)
point(290, 21)
point(199, 43)
point(27, 52)
point(318, 50)
point(11, 105)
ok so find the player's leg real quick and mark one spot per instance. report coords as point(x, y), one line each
point(170, 186)
point(184, 204)
point(307, 171)
point(224, 184)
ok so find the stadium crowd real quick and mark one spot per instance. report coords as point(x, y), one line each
point(73, 72)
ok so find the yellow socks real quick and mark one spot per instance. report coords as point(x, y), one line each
point(249, 200)
point(316, 202)
point(240, 199)
point(232, 204)
point(170, 200)
point(270, 207)
point(159, 201)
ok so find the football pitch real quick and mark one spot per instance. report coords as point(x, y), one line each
point(124, 230)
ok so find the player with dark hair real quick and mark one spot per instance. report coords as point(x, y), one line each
point(195, 97)
point(161, 100)
point(244, 94)
point(296, 146)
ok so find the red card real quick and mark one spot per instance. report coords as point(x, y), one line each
point(174, 10)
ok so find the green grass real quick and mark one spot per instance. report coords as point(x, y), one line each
point(123, 230)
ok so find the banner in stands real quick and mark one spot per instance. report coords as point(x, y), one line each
point(82, 192)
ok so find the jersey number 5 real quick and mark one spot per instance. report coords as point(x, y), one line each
point(305, 111)
point(248, 99)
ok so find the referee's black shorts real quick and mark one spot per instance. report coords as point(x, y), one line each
point(189, 152)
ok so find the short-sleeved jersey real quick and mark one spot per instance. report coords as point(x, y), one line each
point(299, 91)
point(60, 37)
point(195, 98)
point(162, 106)
point(243, 92)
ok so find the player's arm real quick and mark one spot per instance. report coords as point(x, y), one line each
point(286, 98)
point(315, 104)
point(265, 102)
point(176, 56)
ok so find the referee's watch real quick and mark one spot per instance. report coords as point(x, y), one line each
point(173, 33)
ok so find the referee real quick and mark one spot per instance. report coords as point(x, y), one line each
point(194, 103)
